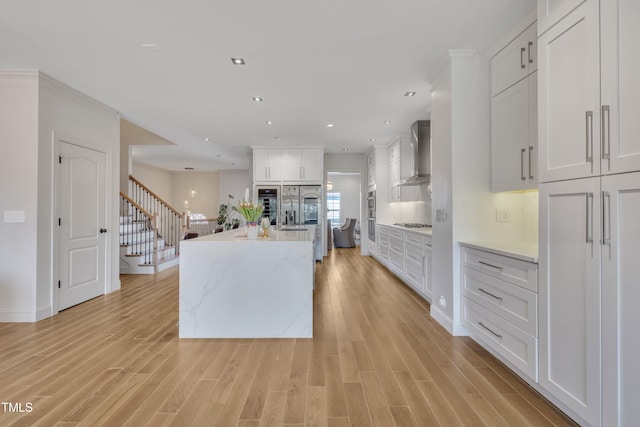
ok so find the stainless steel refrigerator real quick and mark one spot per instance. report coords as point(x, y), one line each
point(301, 206)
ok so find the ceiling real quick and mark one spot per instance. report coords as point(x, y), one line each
point(166, 66)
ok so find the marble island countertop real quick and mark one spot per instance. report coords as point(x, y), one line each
point(238, 235)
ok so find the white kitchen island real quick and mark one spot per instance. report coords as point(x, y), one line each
point(231, 287)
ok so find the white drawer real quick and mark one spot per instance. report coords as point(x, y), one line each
point(396, 243)
point(512, 343)
point(427, 243)
point(521, 273)
point(414, 253)
point(396, 233)
point(396, 261)
point(383, 237)
point(413, 238)
point(414, 275)
point(513, 303)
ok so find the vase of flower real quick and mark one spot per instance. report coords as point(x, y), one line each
point(252, 230)
point(251, 212)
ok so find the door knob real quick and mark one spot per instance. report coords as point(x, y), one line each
point(103, 230)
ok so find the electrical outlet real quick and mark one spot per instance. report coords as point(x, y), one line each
point(502, 215)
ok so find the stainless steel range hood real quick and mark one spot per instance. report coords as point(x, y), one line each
point(421, 152)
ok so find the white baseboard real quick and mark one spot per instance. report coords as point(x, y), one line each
point(44, 312)
point(9, 316)
point(442, 318)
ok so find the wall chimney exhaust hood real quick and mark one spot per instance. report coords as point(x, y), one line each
point(421, 152)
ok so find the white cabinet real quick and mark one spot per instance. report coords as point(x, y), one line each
point(500, 306)
point(516, 61)
point(620, 85)
point(371, 169)
point(288, 165)
point(514, 114)
point(414, 265)
point(620, 299)
point(589, 233)
point(570, 232)
point(551, 11)
point(396, 251)
point(266, 165)
point(514, 137)
point(428, 262)
point(300, 165)
point(569, 89)
point(400, 157)
point(382, 235)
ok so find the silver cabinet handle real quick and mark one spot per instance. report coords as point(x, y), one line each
point(530, 170)
point(530, 45)
point(606, 218)
point(490, 265)
point(605, 130)
point(589, 137)
point(522, 177)
point(496, 335)
point(522, 57)
point(490, 294)
point(589, 221)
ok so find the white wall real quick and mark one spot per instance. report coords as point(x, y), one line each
point(206, 186)
point(35, 109)
point(158, 180)
point(18, 192)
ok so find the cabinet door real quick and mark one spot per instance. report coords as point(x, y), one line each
point(394, 176)
point(428, 260)
point(569, 294)
point(620, 299)
point(551, 11)
point(510, 138)
point(291, 166)
point(511, 64)
point(569, 100)
point(312, 165)
point(620, 38)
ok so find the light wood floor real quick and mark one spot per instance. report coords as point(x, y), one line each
point(377, 359)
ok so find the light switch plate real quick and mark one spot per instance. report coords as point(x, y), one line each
point(502, 215)
point(14, 216)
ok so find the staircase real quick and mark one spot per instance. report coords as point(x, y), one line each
point(150, 231)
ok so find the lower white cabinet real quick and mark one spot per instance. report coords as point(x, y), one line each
point(500, 306)
point(407, 254)
point(589, 297)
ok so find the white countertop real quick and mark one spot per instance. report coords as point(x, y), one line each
point(422, 230)
point(524, 251)
point(237, 235)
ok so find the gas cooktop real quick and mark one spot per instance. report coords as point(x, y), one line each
point(412, 225)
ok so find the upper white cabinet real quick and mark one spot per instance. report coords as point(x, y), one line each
point(302, 165)
point(589, 65)
point(267, 165)
point(551, 11)
point(514, 137)
point(620, 85)
point(288, 165)
point(399, 156)
point(569, 96)
point(514, 114)
point(515, 61)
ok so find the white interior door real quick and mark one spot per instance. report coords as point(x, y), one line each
point(82, 226)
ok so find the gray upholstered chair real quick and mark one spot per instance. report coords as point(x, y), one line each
point(343, 237)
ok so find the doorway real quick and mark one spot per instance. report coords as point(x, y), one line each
point(344, 200)
point(81, 220)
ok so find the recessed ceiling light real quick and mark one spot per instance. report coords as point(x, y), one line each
point(409, 94)
point(150, 45)
point(269, 122)
point(207, 139)
point(386, 122)
point(277, 137)
point(257, 99)
point(238, 61)
point(372, 139)
point(329, 125)
point(345, 149)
